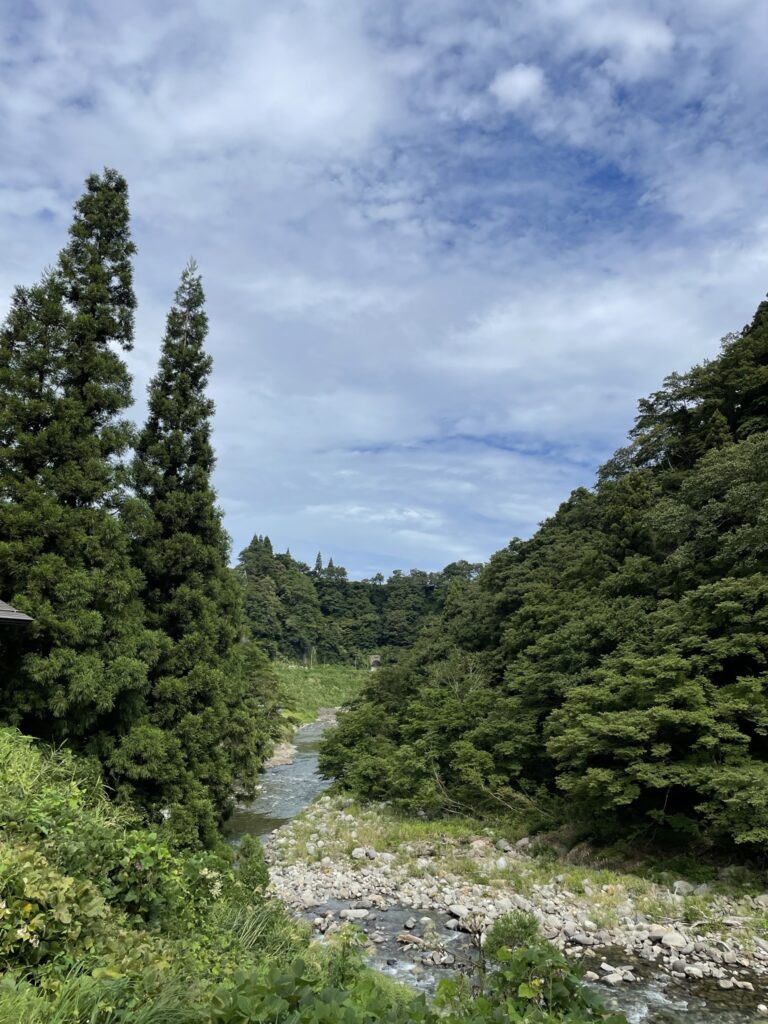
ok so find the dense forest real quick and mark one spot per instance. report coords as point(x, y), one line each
point(319, 614)
point(612, 671)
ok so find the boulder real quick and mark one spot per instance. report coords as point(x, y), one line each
point(458, 910)
point(682, 888)
point(358, 914)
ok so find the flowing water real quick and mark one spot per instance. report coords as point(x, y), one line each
point(287, 789)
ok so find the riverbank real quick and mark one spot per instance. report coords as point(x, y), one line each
point(618, 924)
point(306, 690)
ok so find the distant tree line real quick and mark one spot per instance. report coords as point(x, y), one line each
point(612, 671)
point(112, 540)
point(318, 614)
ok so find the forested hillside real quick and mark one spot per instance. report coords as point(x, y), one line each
point(611, 671)
point(319, 614)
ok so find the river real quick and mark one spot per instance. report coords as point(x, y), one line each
point(288, 788)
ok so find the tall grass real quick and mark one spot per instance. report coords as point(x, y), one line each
point(306, 690)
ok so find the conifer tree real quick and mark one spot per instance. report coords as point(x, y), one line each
point(203, 725)
point(80, 671)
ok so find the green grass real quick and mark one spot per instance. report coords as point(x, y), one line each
point(306, 690)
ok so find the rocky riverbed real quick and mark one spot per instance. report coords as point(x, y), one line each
point(337, 863)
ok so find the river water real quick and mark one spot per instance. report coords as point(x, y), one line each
point(287, 789)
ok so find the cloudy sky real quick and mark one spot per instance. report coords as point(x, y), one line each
point(446, 243)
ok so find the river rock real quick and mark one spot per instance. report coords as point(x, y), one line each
point(503, 845)
point(354, 914)
point(458, 910)
point(613, 979)
point(674, 940)
point(359, 853)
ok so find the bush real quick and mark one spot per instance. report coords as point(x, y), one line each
point(511, 931)
point(253, 870)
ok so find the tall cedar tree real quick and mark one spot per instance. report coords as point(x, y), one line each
point(79, 672)
point(204, 726)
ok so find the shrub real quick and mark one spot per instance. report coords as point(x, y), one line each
point(511, 931)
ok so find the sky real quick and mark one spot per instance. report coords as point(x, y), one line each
point(446, 244)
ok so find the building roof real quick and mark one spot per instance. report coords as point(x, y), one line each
point(9, 614)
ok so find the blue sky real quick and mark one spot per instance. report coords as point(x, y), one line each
point(446, 245)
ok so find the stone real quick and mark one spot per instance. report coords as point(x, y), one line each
point(613, 979)
point(762, 1009)
point(656, 933)
point(682, 888)
point(501, 863)
point(359, 853)
point(745, 986)
point(354, 914)
point(458, 910)
point(673, 940)
point(693, 972)
point(591, 976)
point(503, 845)
point(521, 844)
point(410, 923)
point(761, 901)
point(725, 983)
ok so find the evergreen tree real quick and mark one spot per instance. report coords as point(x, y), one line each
point(80, 671)
point(204, 727)
point(319, 563)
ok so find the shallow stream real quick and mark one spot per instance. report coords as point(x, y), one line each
point(656, 998)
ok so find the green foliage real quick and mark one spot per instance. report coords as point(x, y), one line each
point(101, 921)
point(252, 865)
point(534, 984)
point(209, 715)
point(614, 668)
point(319, 615)
point(80, 670)
point(510, 931)
point(304, 691)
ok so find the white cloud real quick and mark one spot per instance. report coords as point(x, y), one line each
point(433, 302)
point(522, 85)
